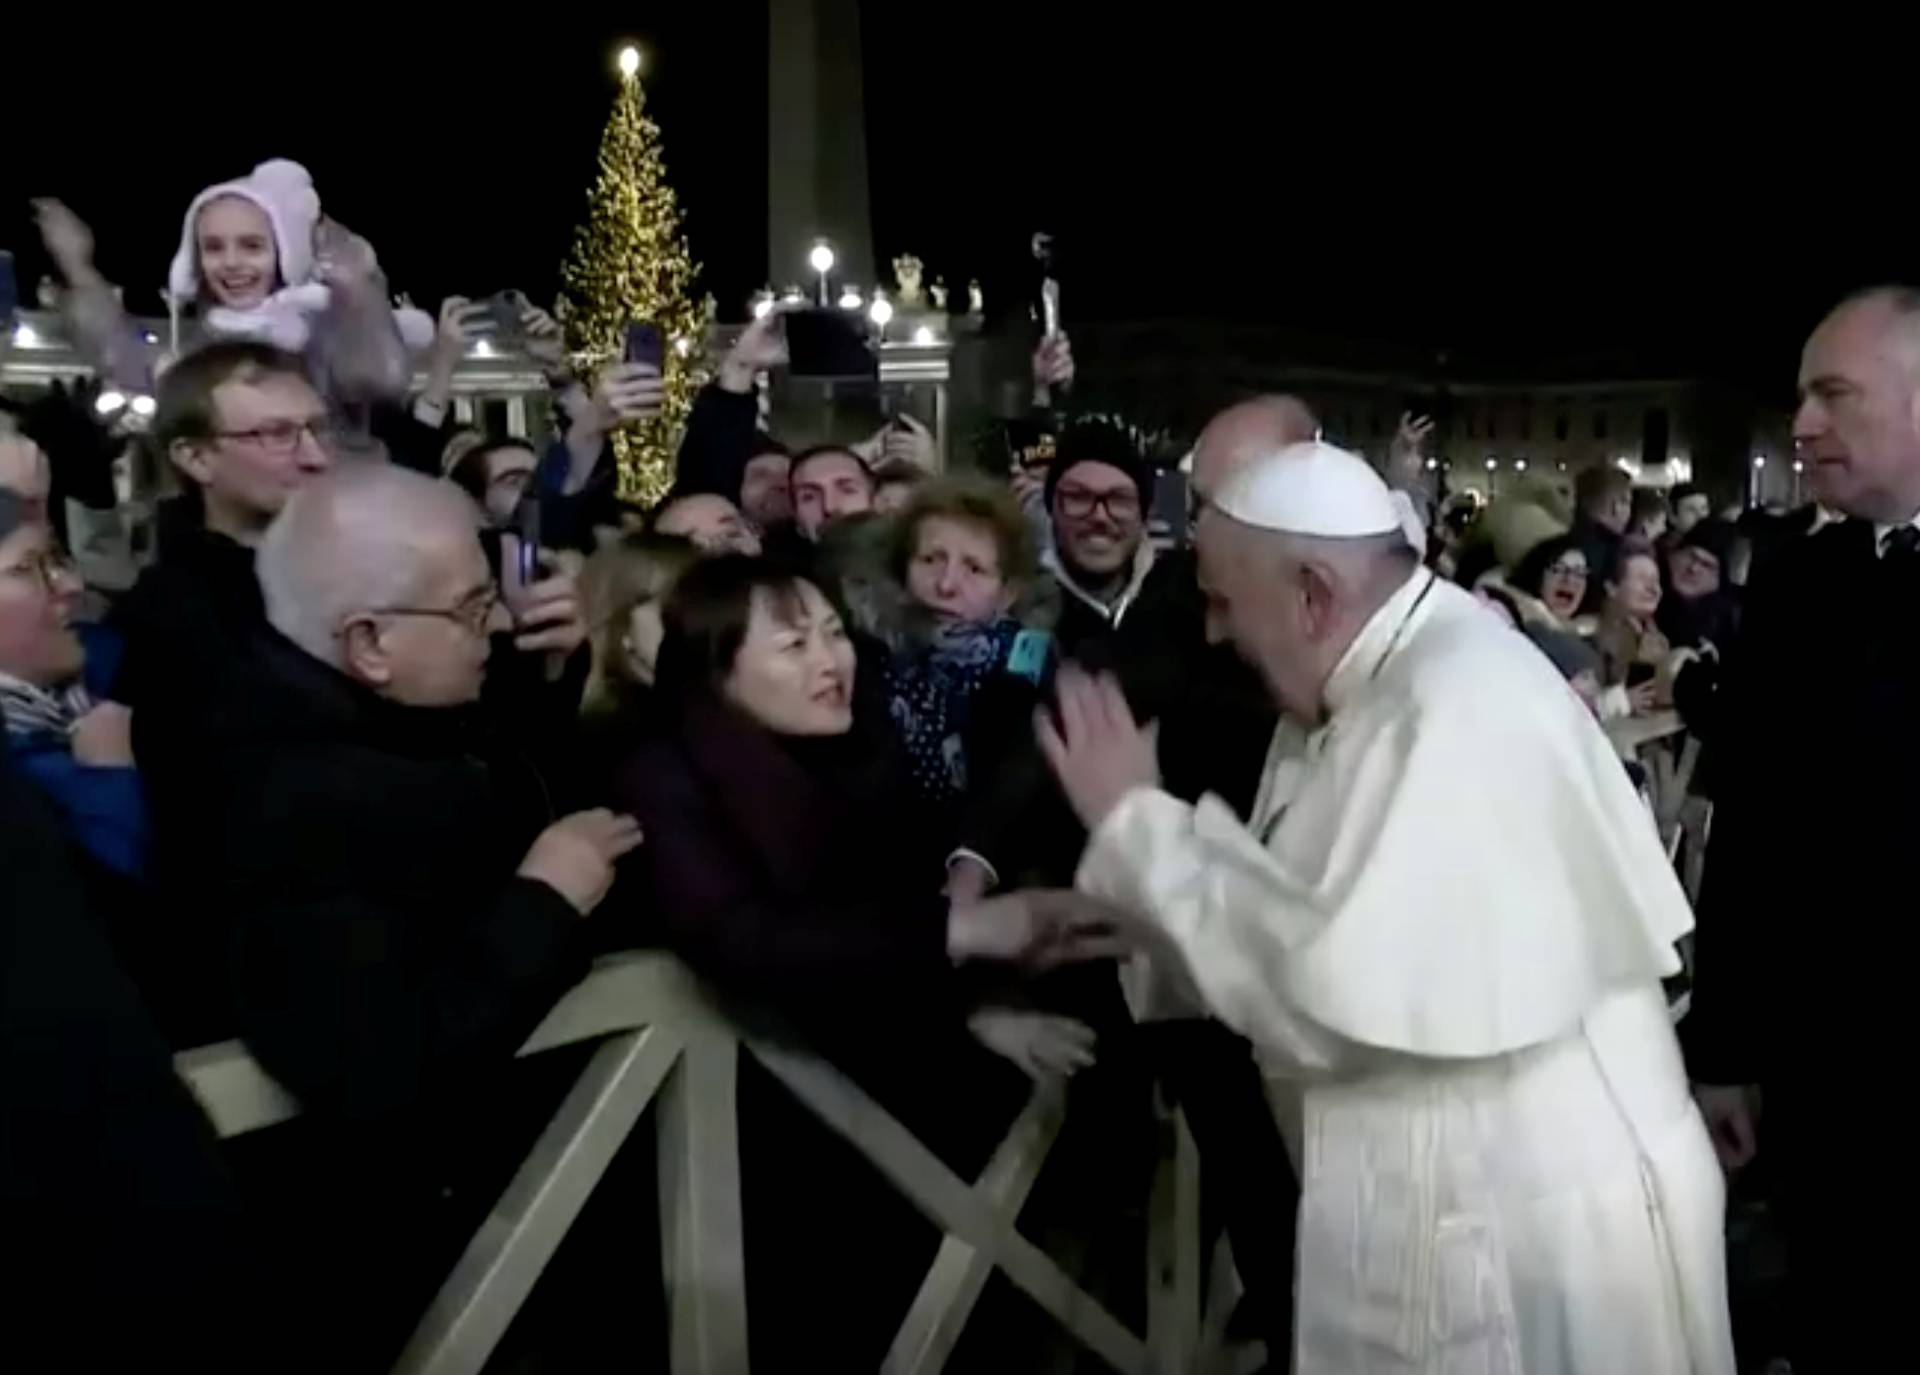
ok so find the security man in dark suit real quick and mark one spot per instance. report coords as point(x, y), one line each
point(1801, 1028)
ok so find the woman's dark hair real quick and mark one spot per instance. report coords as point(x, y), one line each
point(706, 619)
point(1530, 574)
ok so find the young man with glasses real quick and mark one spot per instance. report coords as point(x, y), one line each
point(1098, 489)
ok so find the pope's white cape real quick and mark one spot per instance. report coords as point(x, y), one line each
point(1452, 937)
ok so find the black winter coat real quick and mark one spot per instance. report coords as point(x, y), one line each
point(186, 625)
point(383, 942)
point(114, 1202)
point(1216, 722)
point(1803, 980)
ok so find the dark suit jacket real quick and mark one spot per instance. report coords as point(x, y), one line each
point(1804, 978)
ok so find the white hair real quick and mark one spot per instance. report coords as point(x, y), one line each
point(351, 540)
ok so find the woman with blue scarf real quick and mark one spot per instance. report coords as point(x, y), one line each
point(964, 671)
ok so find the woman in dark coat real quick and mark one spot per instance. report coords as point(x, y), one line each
point(787, 862)
point(788, 858)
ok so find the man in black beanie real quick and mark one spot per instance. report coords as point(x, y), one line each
point(1098, 490)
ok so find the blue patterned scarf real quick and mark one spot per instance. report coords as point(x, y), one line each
point(931, 682)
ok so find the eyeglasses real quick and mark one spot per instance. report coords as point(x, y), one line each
point(474, 613)
point(283, 436)
point(1567, 570)
point(1076, 503)
point(46, 568)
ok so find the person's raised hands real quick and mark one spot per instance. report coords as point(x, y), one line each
point(341, 258)
point(1097, 750)
point(545, 342)
point(626, 393)
point(1052, 366)
point(549, 616)
point(68, 240)
point(761, 347)
point(461, 322)
point(576, 854)
point(906, 440)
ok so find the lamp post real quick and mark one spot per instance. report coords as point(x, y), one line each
point(821, 261)
point(880, 311)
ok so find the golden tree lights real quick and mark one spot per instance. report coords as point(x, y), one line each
point(629, 263)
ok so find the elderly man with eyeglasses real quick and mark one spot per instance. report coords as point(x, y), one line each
point(404, 904)
point(245, 431)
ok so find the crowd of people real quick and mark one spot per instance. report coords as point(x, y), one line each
point(362, 740)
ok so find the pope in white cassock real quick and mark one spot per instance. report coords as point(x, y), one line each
point(1444, 934)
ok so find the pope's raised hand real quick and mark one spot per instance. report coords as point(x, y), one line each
point(1097, 750)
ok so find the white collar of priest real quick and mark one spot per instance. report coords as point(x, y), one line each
point(1383, 634)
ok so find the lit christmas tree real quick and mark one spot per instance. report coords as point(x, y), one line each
point(630, 264)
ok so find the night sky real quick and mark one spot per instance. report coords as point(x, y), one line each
point(1562, 202)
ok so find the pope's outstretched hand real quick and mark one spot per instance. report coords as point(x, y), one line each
point(1097, 750)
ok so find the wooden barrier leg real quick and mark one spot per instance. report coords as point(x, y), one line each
point(701, 1237)
point(514, 1244)
point(960, 1271)
point(952, 1204)
point(1173, 1249)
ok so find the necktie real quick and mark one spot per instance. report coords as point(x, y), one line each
point(1900, 542)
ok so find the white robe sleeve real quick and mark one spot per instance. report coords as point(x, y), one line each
point(1189, 868)
point(1456, 877)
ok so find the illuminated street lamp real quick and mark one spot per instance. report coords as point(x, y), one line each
point(850, 298)
point(881, 313)
point(821, 261)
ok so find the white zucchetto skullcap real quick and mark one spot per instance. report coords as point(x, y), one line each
point(1318, 490)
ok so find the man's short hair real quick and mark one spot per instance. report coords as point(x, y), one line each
point(1598, 484)
point(1904, 302)
point(1900, 298)
point(184, 407)
point(806, 456)
point(348, 541)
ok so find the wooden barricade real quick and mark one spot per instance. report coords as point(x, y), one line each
point(663, 1039)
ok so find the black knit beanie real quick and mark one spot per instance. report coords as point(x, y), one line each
point(1101, 441)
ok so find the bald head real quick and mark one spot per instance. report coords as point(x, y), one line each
point(1858, 425)
point(1242, 433)
point(362, 538)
